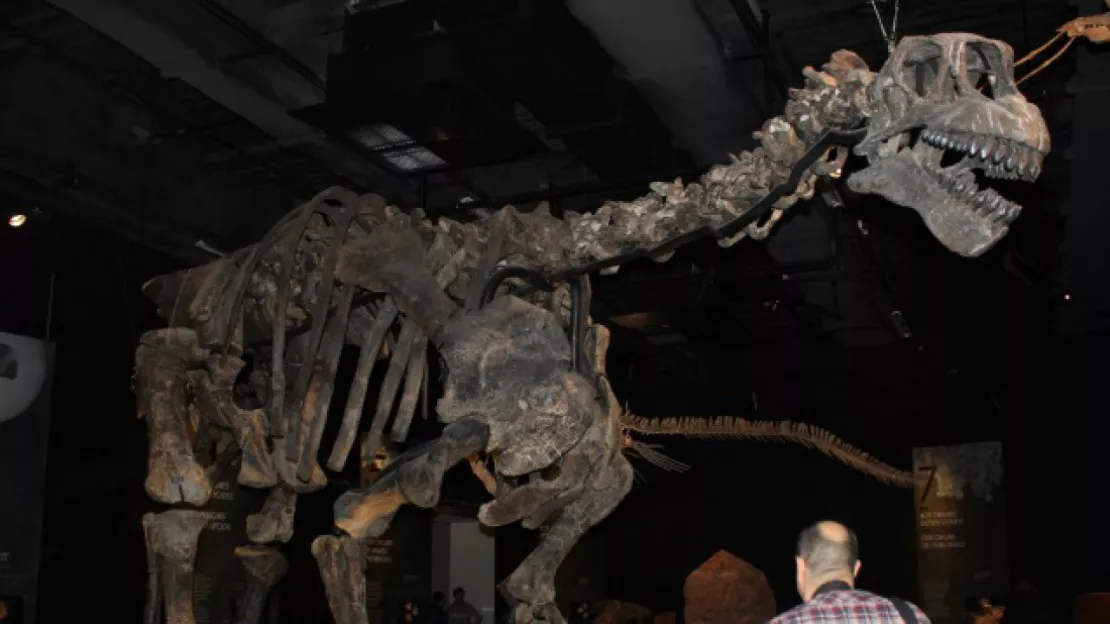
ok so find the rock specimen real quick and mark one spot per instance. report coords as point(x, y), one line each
point(728, 590)
point(616, 612)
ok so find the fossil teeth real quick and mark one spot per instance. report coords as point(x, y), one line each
point(999, 153)
point(1011, 162)
point(985, 149)
point(1035, 171)
point(975, 146)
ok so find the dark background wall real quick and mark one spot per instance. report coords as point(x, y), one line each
point(751, 498)
point(92, 540)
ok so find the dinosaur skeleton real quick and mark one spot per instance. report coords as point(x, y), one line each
point(249, 358)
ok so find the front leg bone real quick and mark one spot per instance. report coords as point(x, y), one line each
point(152, 612)
point(415, 477)
point(274, 523)
point(173, 474)
point(173, 540)
point(265, 567)
point(341, 561)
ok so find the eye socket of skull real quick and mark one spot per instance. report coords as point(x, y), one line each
point(924, 71)
point(988, 70)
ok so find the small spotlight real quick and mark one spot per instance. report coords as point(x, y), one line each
point(16, 220)
point(1067, 296)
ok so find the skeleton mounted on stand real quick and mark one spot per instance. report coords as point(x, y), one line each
point(525, 397)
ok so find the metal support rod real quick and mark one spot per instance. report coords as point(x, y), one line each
point(536, 279)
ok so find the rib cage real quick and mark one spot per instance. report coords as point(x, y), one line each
point(286, 287)
point(731, 428)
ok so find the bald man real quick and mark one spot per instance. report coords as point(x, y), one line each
point(827, 565)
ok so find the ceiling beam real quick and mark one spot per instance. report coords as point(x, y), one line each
point(176, 58)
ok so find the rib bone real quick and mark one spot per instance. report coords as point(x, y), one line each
point(318, 399)
point(388, 392)
point(414, 380)
point(369, 348)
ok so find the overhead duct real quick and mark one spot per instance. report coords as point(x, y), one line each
point(480, 85)
point(177, 58)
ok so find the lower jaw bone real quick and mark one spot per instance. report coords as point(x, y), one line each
point(172, 543)
point(341, 561)
point(265, 567)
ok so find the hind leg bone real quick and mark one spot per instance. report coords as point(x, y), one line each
point(532, 585)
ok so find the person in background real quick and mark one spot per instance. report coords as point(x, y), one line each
point(983, 611)
point(439, 608)
point(1029, 606)
point(827, 564)
point(461, 611)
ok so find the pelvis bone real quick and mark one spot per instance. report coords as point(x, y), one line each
point(213, 390)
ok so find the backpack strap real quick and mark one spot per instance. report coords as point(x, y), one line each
point(904, 610)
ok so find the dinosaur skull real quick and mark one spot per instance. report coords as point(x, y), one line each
point(947, 116)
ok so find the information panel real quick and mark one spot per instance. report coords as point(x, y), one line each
point(961, 527)
point(219, 582)
point(26, 373)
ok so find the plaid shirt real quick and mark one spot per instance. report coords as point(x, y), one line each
point(846, 606)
